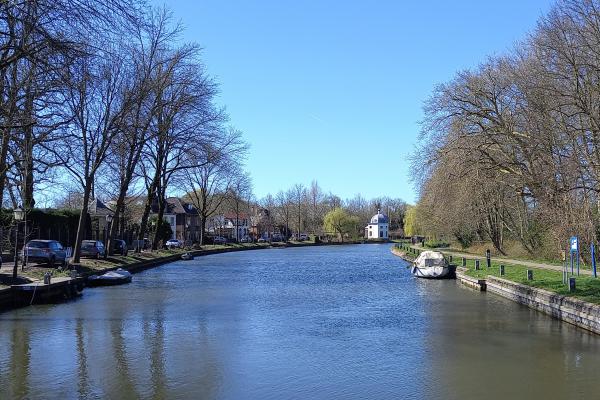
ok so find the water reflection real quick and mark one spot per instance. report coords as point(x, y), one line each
point(20, 359)
point(83, 381)
point(125, 386)
point(154, 335)
point(316, 323)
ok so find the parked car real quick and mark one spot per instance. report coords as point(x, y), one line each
point(219, 240)
point(92, 248)
point(303, 237)
point(277, 237)
point(141, 244)
point(246, 239)
point(44, 251)
point(120, 247)
point(261, 240)
point(174, 244)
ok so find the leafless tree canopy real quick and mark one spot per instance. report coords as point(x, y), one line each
point(511, 150)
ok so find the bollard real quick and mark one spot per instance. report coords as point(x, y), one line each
point(572, 285)
point(529, 275)
point(501, 270)
point(477, 265)
point(488, 258)
point(464, 262)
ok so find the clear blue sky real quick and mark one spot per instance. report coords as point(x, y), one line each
point(333, 90)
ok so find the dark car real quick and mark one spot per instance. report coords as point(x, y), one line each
point(219, 240)
point(120, 247)
point(92, 248)
point(44, 251)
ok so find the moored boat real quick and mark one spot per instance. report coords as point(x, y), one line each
point(430, 264)
point(116, 277)
point(187, 256)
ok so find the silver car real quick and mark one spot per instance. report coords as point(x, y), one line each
point(44, 251)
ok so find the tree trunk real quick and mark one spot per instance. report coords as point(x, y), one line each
point(82, 219)
point(114, 226)
point(27, 162)
point(119, 210)
point(159, 220)
point(202, 228)
point(3, 166)
point(147, 208)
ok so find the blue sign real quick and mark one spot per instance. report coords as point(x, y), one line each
point(574, 244)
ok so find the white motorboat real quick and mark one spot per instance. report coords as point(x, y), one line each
point(187, 257)
point(116, 277)
point(430, 264)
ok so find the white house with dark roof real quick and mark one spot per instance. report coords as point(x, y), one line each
point(378, 227)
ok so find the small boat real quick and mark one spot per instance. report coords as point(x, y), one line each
point(116, 277)
point(430, 264)
point(187, 256)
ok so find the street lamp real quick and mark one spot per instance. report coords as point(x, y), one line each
point(109, 219)
point(19, 214)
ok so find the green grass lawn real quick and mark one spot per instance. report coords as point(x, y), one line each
point(588, 287)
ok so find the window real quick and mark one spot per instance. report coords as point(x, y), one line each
point(370, 233)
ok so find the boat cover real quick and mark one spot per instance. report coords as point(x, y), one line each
point(430, 259)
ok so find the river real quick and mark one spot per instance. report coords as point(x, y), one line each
point(343, 322)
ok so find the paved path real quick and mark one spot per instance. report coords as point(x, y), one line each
point(524, 263)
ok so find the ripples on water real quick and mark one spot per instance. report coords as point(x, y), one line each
point(307, 323)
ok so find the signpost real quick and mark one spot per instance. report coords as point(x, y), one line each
point(564, 263)
point(574, 249)
point(593, 260)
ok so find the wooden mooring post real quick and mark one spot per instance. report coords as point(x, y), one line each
point(572, 286)
point(529, 275)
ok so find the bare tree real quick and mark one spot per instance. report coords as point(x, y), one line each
point(283, 201)
point(299, 195)
point(96, 99)
point(213, 175)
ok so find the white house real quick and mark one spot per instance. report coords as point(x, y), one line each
point(230, 225)
point(378, 227)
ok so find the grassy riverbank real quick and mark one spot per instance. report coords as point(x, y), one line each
point(588, 287)
point(90, 266)
point(544, 277)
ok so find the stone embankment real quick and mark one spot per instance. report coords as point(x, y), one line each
point(574, 311)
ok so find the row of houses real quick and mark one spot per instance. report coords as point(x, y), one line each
point(184, 220)
point(185, 223)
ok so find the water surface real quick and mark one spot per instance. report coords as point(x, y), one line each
point(302, 323)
